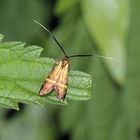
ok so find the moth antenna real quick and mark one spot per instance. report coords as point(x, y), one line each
point(85, 55)
point(52, 37)
point(106, 57)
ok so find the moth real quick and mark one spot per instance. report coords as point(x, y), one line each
point(57, 79)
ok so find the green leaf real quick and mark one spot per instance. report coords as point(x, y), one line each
point(22, 73)
point(8, 103)
point(107, 22)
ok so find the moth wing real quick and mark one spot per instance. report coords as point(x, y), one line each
point(62, 81)
point(46, 88)
point(48, 85)
point(54, 74)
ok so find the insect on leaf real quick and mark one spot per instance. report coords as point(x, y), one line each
point(22, 73)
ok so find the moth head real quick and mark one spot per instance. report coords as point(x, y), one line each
point(65, 61)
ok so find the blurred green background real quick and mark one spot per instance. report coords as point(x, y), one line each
point(104, 27)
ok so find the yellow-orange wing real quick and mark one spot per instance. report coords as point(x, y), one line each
point(50, 82)
point(62, 81)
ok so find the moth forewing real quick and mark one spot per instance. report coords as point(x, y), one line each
point(62, 81)
point(50, 82)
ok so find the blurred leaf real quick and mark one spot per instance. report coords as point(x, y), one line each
point(22, 74)
point(128, 126)
point(28, 125)
point(132, 90)
point(20, 15)
point(64, 6)
point(101, 112)
point(107, 22)
point(1, 37)
point(67, 122)
point(120, 129)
